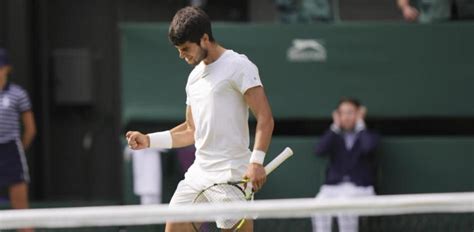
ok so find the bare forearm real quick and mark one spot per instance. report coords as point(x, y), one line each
point(181, 127)
point(29, 128)
point(27, 138)
point(403, 3)
point(263, 134)
point(182, 136)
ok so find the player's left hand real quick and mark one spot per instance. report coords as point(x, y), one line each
point(256, 175)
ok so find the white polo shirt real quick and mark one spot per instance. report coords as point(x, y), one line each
point(215, 93)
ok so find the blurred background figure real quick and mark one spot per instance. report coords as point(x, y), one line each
point(304, 11)
point(185, 158)
point(428, 11)
point(351, 170)
point(15, 112)
point(198, 3)
point(147, 174)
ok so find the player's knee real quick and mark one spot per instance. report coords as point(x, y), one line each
point(178, 227)
point(247, 226)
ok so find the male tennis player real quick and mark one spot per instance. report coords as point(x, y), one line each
point(221, 88)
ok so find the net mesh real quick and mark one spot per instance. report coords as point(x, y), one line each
point(420, 212)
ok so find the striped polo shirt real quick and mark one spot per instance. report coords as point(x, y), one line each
point(13, 101)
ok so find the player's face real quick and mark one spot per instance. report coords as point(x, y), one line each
point(192, 53)
point(348, 115)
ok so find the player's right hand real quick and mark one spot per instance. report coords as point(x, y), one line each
point(137, 140)
point(256, 175)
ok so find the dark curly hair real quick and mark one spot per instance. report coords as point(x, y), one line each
point(189, 24)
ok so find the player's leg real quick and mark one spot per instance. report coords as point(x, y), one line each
point(246, 227)
point(179, 227)
point(184, 194)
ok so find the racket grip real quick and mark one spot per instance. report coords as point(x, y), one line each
point(285, 154)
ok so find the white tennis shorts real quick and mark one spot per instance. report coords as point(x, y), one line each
point(196, 180)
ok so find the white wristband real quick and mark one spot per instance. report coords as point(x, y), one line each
point(161, 139)
point(257, 157)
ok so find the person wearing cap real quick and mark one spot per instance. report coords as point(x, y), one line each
point(15, 113)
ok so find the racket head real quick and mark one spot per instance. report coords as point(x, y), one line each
point(218, 193)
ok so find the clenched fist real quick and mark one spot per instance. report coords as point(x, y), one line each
point(137, 140)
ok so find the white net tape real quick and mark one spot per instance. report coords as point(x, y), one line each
point(284, 208)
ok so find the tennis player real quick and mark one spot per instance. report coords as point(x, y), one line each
point(220, 89)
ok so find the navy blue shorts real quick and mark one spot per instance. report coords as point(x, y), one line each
point(13, 166)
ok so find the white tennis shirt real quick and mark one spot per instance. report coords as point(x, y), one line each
point(215, 93)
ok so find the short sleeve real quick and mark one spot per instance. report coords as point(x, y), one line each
point(188, 102)
point(24, 103)
point(247, 77)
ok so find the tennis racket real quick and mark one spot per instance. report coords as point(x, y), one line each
point(229, 192)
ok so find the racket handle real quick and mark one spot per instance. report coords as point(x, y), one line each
point(285, 154)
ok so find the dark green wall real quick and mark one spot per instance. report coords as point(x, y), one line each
point(398, 70)
point(405, 165)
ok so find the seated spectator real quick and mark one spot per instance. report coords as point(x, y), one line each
point(350, 147)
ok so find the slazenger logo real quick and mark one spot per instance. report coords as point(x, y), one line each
point(304, 50)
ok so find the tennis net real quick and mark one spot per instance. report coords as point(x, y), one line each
point(413, 212)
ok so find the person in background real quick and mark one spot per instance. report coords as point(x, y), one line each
point(304, 11)
point(427, 11)
point(185, 157)
point(15, 106)
point(147, 174)
point(350, 147)
point(198, 3)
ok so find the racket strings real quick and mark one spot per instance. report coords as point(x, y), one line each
point(219, 193)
